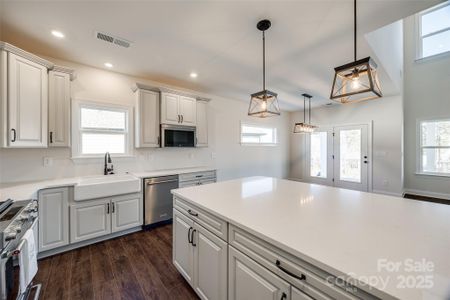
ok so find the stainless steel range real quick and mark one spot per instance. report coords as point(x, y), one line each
point(15, 219)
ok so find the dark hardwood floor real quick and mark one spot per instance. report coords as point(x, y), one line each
point(135, 266)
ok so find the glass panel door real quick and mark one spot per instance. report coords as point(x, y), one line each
point(319, 166)
point(351, 157)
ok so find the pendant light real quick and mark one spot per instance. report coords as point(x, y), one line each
point(305, 127)
point(358, 80)
point(264, 103)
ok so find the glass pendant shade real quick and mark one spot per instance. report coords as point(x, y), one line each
point(264, 104)
point(304, 128)
point(356, 81)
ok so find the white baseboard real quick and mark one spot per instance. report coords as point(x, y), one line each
point(387, 193)
point(427, 194)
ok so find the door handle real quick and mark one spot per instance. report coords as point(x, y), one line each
point(189, 235)
point(283, 296)
point(14, 135)
point(182, 118)
point(192, 238)
point(107, 208)
point(192, 213)
point(51, 137)
point(366, 162)
point(179, 119)
point(113, 207)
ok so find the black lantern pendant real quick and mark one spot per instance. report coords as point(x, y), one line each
point(305, 127)
point(264, 103)
point(358, 80)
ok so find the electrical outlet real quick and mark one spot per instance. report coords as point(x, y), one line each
point(48, 161)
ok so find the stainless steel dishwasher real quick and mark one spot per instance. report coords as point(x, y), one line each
point(158, 199)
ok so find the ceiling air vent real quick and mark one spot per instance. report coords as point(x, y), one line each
point(112, 39)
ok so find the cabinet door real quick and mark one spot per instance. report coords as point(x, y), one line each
point(27, 103)
point(210, 264)
point(126, 212)
point(53, 218)
point(249, 280)
point(202, 124)
point(59, 109)
point(187, 108)
point(147, 119)
point(89, 220)
point(183, 251)
point(296, 294)
point(169, 109)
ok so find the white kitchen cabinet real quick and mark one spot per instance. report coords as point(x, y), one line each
point(178, 110)
point(183, 251)
point(53, 218)
point(126, 212)
point(59, 107)
point(147, 118)
point(202, 123)
point(296, 294)
point(27, 103)
point(90, 219)
point(249, 280)
point(210, 264)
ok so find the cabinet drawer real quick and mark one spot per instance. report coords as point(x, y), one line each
point(299, 273)
point(197, 176)
point(197, 182)
point(215, 225)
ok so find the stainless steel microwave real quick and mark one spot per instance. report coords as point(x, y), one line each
point(177, 136)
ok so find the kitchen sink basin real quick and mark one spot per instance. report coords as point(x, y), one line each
point(105, 186)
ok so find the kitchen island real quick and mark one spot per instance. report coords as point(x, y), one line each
point(267, 238)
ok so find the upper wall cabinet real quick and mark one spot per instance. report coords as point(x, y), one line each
point(178, 109)
point(146, 116)
point(24, 98)
point(59, 106)
point(202, 122)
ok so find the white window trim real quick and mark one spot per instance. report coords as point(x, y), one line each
point(419, 147)
point(419, 38)
point(77, 104)
point(260, 126)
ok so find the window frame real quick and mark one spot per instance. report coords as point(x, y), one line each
point(77, 131)
point(419, 37)
point(250, 124)
point(419, 147)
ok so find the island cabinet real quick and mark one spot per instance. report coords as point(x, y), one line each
point(199, 254)
point(223, 261)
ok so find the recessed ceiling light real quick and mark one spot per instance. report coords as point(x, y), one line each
point(58, 34)
point(193, 75)
point(108, 65)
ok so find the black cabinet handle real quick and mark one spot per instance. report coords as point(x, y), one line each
point(113, 207)
point(107, 208)
point(182, 118)
point(192, 213)
point(189, 235)
point(283, 296)
point(14, 135)
point(51, 137)
point(366, 162)
point(192, 238)
point(301, 277)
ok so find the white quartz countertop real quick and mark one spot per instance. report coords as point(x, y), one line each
point(347, 233)
point(28, 190)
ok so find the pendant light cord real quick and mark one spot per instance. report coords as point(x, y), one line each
point(264, 61)
point(354, 27)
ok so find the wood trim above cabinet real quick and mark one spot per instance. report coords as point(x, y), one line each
point(30, 56)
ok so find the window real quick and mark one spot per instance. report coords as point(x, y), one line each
point(318, 154)
point(100, 128)
point(259, 135)
point(434, 155)
point(434, 31)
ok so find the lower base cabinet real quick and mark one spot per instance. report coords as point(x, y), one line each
point(201, 257)
point(99, 217)
point(249, 280)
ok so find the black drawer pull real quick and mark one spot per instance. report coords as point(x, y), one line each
point(192, 213)
point(283, 296)
point(14, 135)
point(301, 277)
point(189, 235)
point(51, 137)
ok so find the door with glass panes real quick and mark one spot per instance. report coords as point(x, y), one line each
point(338, 156)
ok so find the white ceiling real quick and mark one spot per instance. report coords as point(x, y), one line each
point(216, 39)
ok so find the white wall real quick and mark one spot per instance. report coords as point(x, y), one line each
point(386, 115)
point(224, 152)
point(427, 95)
